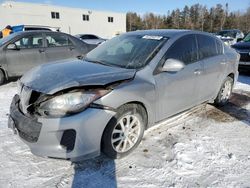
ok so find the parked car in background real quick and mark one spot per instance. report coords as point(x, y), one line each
point(18, 28)
point(243, 48)
point(230, 36)
point(21, 51)
point(91, 39)
point(124, 86)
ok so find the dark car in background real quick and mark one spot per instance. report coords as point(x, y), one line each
point(21, 51)
point(91, 39)
point(243, 48)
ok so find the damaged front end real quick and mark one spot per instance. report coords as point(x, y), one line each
point(60, 118)
point(63, 103)
point(27, 127)
point(30, 105)
point(68, 88)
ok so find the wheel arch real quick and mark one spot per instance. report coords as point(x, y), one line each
point(148, 122)
point(231, 75)
point(144, 107)
point(4, 72)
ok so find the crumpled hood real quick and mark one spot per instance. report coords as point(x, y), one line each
point(51, 78)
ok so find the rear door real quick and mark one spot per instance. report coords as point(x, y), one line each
point(58, 47)
point(178, 91)
point(214, 63)
point(29, 53)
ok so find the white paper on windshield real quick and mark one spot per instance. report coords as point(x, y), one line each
point(152, 37)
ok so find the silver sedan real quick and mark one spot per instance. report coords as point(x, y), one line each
point(104, 103)
point(21, 51)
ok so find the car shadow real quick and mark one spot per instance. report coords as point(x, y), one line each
point(234, 110)
point(97, 172)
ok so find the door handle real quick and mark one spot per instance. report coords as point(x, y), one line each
point(197, 72)
point(41, 50)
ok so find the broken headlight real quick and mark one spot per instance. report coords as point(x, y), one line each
point(69, 103)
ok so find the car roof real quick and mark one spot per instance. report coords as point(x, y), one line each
point(37, 31)
point(169, 33)
point(161, 32)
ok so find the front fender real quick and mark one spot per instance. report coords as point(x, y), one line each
point(136, 91)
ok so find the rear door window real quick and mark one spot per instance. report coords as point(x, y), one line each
point(207, 46)
point(58, 40)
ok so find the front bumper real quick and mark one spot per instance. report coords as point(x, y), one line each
point(49, 137)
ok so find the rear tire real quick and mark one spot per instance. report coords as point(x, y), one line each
point(124, 131)
point(225, 92)
point(2, 77)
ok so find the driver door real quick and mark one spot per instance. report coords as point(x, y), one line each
point(177, 91)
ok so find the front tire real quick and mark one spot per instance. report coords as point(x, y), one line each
point(2, 77)
point(225, 92)
point(124, 131)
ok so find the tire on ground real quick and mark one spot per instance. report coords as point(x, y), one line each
point(2, 77)
point(127, 109)
point(220, 101)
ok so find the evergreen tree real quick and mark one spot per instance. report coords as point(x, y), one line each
point(197, 17)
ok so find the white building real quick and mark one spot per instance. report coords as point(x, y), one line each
point(69, 20)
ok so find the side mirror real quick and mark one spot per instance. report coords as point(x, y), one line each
point(239, 39)
point(172, 65)
point(12, 47)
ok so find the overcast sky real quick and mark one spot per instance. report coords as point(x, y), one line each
point(142, 6)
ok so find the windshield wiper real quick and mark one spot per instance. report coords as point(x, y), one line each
point(103, 63)
point(97, 62)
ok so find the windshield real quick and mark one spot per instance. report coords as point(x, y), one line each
point(6, 39)
point(127, 51)
point(228, 34)
point(247, 38)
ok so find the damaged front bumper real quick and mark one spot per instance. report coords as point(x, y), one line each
point(75, 137)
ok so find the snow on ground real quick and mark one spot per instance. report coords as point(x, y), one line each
point(206, 147)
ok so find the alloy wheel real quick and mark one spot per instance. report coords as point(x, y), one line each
point(126, 133)
point(226, 90)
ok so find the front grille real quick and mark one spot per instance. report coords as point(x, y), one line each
point(68, 139)
point(244, 67)
point(244, 57)
point(32, 138)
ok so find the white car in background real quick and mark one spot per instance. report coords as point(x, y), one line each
point(90, 39)
point(230, 36)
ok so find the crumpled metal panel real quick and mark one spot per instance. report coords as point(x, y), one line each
point(51, 78)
